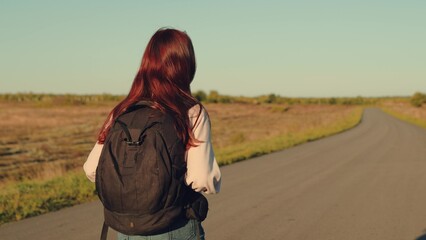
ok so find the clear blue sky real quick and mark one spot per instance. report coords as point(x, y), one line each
point(291, 48)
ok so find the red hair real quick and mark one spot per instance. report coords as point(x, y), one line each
point(164, 77)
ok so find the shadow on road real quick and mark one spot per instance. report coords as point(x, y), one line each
point(422, 237)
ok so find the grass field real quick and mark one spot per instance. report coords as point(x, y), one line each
point(42, 149)
point(405, 111)
point(241, 131)
point(45, 142)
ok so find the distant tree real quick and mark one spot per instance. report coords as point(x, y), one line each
point(272, 98)
point(200, 96)
point(418, 99)
point(225, 99)
point(213, 96)
point(359, 100)
point(332, 101)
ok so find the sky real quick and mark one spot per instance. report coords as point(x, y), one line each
point(327, 48)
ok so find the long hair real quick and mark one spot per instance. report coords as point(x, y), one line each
point(164, 77)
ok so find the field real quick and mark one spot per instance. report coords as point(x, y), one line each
point(242, 131)
point(404, 110)
point(43, 147)
point(45, 142)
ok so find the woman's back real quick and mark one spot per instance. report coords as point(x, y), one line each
point(166, 71)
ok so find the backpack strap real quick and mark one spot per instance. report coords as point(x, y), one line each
point(197, 228)
point(104, 232)
point(133, 136)
point(135, 106)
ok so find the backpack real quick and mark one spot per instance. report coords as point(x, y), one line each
point(139, 178)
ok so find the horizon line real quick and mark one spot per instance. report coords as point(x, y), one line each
point(229, 95)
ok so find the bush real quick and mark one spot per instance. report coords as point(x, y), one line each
point(213, 97)
point(418, 99)
point(200, 96)
point(272, 98)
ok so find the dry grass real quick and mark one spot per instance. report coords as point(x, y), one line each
point(242, 131)
point(242, 123)
point(44, 142)
point(403, 110)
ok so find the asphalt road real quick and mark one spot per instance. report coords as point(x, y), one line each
point(368, 183)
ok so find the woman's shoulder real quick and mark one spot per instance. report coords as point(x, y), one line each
point(198, 117)
point(197, 111)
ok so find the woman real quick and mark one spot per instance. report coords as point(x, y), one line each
point(164, 77)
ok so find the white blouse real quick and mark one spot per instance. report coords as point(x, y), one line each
point(202, 169)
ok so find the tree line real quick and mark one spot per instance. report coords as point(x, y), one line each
point(418, 99)
point(59, 99)
point(215, 97)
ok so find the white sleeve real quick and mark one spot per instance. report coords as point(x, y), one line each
point(92, 162)
point(203, 172)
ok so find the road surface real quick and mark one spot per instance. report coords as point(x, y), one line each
point(368, 183)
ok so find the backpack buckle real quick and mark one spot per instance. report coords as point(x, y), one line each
point(132, 143)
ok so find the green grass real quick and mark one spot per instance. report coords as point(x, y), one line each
point(408, 118)
point(31, 198)
point(246, 150)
